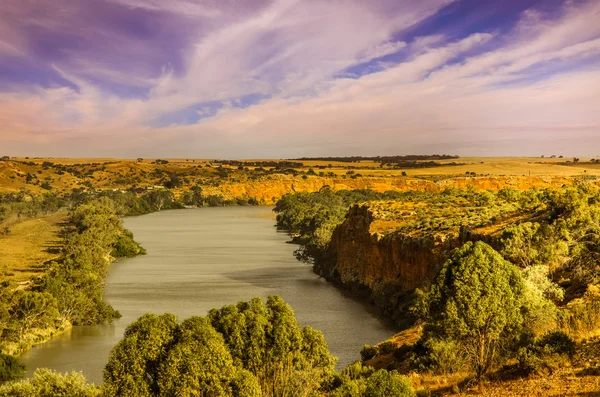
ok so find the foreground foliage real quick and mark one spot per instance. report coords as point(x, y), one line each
point(250, 349)
point(358, 380)
point(47, 383)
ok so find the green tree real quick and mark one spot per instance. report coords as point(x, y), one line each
point(199, 364)
point(31, 309)
point(159, 199)
point(267, 340)
point(530, 244)
point(476, 300)
point(250, 349)
point(134, 363)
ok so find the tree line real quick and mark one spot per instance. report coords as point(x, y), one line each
point(70, 290)
point(382, 159)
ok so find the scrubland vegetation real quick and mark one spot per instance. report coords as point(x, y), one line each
point(518, 291)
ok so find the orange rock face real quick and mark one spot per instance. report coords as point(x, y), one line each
point(387, 269)
point(270, 190)
point(372, 260)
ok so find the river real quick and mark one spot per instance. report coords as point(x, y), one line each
point(199, 259)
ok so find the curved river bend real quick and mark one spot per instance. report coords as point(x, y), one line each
point(205, 258)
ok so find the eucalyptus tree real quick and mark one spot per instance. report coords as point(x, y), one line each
point(249, 349)
point(476, 300)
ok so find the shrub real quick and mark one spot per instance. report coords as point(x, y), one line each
point(368, 352)
point(540, 360)
point(386, 347)
point(356, 370)
point(10, 368)
point(358, 380)
point(558, 341)
point(582, 315)
point(440, 356)
point(47, 383)
point(545, 355)
point(386, 384)
point(126, 247)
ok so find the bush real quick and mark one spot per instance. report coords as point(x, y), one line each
point(545, 355)
point(126, 247)
point(358, 380)
point(386, 347)
point(540, 361)
point(582, 315)
point(559, 342)
point(10, 368)
point(440, 356)
point(387, 384)
point(356, 370)
point(47, 383)
point(368, 352)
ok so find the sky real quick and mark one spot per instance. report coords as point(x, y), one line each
point(293, 78)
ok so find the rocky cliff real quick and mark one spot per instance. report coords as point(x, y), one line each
point(270, 189)
point(386, 269)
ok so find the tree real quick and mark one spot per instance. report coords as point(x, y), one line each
point(33, 310)
point(159, 199)
point(134, 363)
point(199, 364)
point(476, 300)
point(529, 244)
point(159, 357)
point(267, 340)
point(250, 349)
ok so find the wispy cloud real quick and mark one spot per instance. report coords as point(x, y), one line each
point(277, 73)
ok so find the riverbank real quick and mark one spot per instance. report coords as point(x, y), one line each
point(27, 246)
point(66, 289)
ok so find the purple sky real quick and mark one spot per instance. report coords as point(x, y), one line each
point(291, 78)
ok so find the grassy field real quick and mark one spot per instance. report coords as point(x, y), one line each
point(60, 175)
point(29, 245)
point(487, 166)
point(538, 166)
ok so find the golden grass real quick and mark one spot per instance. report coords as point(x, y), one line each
point(120, 173)
point(28, 246)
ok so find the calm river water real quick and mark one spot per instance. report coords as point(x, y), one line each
point(204, 258)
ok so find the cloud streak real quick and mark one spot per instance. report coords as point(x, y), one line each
point(292, 78)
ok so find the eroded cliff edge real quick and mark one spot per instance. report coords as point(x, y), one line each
point(387, 268)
